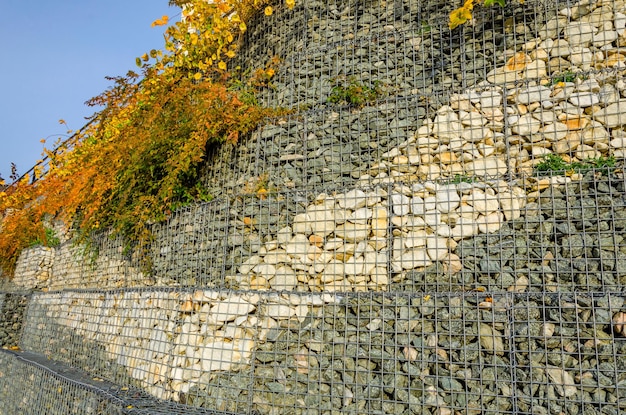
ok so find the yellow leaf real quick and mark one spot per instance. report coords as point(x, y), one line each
point(161, 22)
point(231, 53)
point(270, 72)
point(469, 5)
point(242, 27)
point(197, 76)
point(460, 16)
point(62, 121)
point(290, 3)
point(268, 11)
point(222, 65)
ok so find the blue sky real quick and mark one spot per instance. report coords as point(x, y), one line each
point(55, 56)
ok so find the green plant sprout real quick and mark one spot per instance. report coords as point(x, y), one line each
point(552, 163)
point(355, 93)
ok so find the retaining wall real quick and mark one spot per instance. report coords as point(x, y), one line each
point(400, 257)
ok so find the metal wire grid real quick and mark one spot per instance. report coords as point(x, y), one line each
point(104, 260)
point(408, 53)
point(331, 147)
point(560, 347)
point(12, 307)
point(24, 389)
point(326, 25)
point(561, 238)
point(472, 352)
point(315, 151)
point(59, 389)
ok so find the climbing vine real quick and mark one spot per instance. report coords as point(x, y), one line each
point(138, 158)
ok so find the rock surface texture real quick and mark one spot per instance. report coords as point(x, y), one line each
point(455, 245)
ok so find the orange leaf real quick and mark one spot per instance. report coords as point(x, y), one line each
point(161, 22)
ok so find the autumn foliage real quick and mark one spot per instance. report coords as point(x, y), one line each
point(138, 159)
point(463, 14)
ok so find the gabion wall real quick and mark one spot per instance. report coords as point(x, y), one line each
point(454, 245)
point(354, 353)
point(26, 389)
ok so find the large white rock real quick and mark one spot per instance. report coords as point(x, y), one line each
point(446, 124)
point(280, 311)
point(604, 37)
point(416, 238)
point(302, 224)
point(219, 355)
point(284, 279)
point(554, 131)
point(526, 125)
point(436, 247)
point(488, 166)
point(464, 228)
point(483, 202)
point(274, 257)
point(298, 246)
point(379, 222)
point(563, 381)
point(249, 264)
point(267, 271)
point(324, 219)
point(353, 232)
point(400, 204)
point(532, 94)
point(579, 33)
point(584, 99)
point(354, 266)
point(490, 223)
point(510, 205)
point(613, 115)
point(333, 271)
point(230, 308)
point(412, 258)
point(352, 200)
point(447, 200)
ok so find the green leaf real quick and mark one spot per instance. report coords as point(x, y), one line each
point(488, 3)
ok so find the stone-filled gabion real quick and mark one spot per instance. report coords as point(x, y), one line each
point(28, 389)
point(308, 353)
point(402, 256)
point(12, 307)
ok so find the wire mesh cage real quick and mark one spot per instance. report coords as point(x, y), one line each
point(436, 227)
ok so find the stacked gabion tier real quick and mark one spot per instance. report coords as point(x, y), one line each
point(438, 227)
